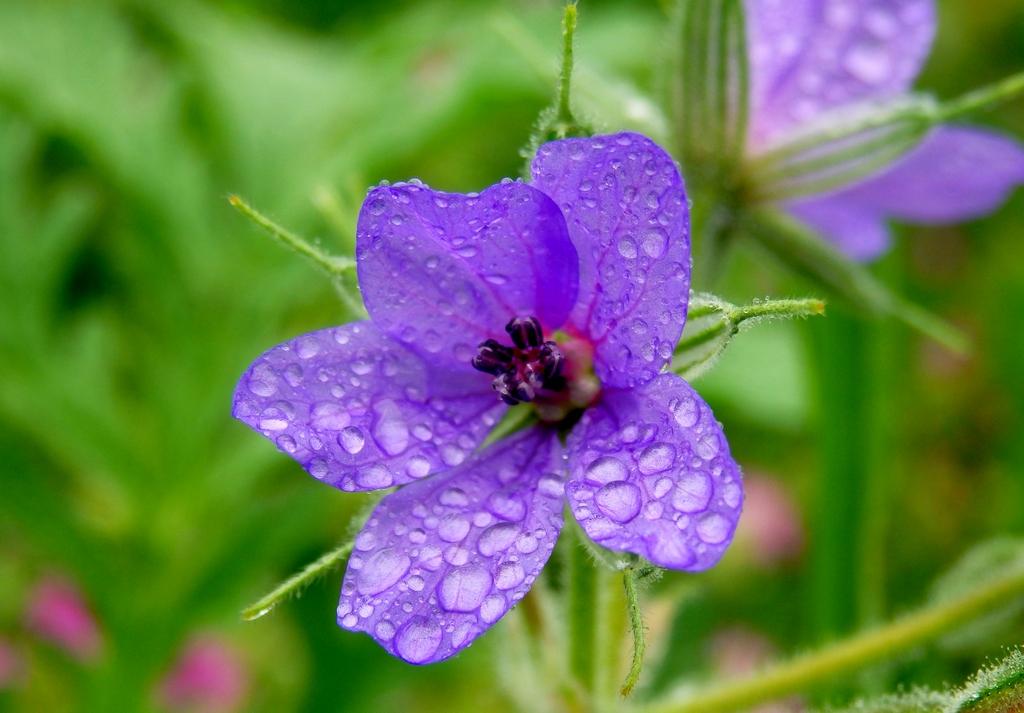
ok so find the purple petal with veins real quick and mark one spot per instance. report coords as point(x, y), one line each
point(650, 473)
point(443, 272)
point(441, 560)
point(358, 410)
point(625, 206)
point(811, 56)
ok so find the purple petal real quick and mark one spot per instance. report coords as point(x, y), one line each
point(955, 174)
point(442, 272)
point(809, 56)
point(856, 229)
point(650, 473)
point(358, 411)
point(626, 208)
point(441, 560)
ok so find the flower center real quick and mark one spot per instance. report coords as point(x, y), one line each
point(556, 376)
point(525, 368)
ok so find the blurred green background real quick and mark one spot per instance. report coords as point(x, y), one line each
point(132, 297)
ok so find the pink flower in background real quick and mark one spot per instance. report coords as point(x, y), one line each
point(57, 612)
point(208, 677)
point(11, 665)
point(771, 530)
point(737, 651)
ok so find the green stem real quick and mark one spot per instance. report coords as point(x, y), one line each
point(636, 624)
point(983, 98)
point(843, 657)
point(332, 264)
point(565, 115)
point(297, 582)
point(582, 599)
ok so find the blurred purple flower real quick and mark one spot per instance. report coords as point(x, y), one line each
point(12, 666)
point(57, 611)
point(812, 57)
point(570, 294)
point(208, 677)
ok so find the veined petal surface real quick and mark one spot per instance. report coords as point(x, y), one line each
point(811, 56)
point(625, 204)
point(650, 473)
point(442, 272)
point(443, 559)
point(360, 411)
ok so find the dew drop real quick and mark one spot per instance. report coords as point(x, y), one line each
point(374, 477)
point(330, 416)
point(385, 630)
point(497, 538)
point(351, 439)
point(419, 640)
point(453, 528)
point(507, 506)
point(713, 529)
point(391, 431)
point(707, 446)
point(605, 470)
point(551, 486)
point(656, 458)
point(654, 242)
point(463, 589)
point(454, 497)
point(273, 419)
point(492, 608)
point(627, 247)
point(382, 571)
point(417, 467)
point(620, 501)
point(693, 492)
point(509, 575)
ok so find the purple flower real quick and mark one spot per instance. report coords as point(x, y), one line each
point(569, 294)
point(812, 57)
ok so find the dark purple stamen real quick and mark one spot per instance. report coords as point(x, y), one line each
point(521, 371)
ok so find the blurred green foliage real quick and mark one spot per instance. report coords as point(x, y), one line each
point(132, 297)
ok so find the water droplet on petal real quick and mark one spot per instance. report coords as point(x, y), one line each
point(606, 470)
point(627, 247)
point(507, 506)
point(328, 415)
point(620, 501)
point(453, 528)
point(551, 486)
point(693, 492)
point(381, 571)
point(464, 589)
point(654, 242)
point(351, 439)
point(497, 538)
point(418, 467)
point(273, 419)
point(714, 529)
point(419, 640)
point(707, 446)
point(384, 630)
point(656, 458)
point(454, 497)
point(509, 575)
point(492, 608)
point(686, 412)
point(374, 477)
point(391, 431)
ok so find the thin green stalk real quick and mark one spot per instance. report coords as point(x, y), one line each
point(297, 582)
point(983, 98)
point(332, 264)
point(829, 662)
point(565, 115)
point(582, 600)
point(636, 625)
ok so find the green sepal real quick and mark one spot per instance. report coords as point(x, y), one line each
point(706, 77)
point(999, 689)
point(711, 324)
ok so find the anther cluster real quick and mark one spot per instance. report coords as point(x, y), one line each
point(526, 367)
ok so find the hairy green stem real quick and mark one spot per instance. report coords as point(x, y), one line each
point(565, 115)
point(636, 624)
point(842, 657)
point(297, 582)
point(331, 264)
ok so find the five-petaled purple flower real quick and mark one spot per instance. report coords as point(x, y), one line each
point(812, 57)
point(569, 293)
